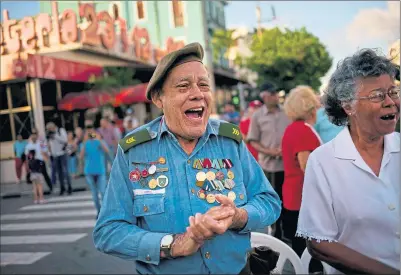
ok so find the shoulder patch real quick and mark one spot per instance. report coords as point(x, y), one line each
point(231, 131)
point(134, 139)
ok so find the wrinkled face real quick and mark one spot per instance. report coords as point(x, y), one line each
point(270, 99)
point(376, 118)
point(186, 100)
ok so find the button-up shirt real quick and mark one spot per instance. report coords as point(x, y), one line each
point(344, 201)
point(134, 218)
point(268, 128)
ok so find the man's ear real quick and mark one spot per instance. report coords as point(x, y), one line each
point(157, 100)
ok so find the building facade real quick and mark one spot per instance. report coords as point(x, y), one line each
point(46, 56)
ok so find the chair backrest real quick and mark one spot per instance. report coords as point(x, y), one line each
point(286, 252)
point(306, 258)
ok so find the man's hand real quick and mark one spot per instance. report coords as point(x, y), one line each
point(184, 245)
point(240, 215)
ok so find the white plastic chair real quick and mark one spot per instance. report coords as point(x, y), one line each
point(306, 258)
point(286, 252)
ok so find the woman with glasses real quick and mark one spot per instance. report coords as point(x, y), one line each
point(350, 199)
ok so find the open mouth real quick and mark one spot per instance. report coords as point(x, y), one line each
point(195, 113)
point(388, 117)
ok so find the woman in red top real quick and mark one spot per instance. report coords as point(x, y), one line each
point(246, 122)
point(299, 140)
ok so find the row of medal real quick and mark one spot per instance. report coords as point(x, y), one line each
point(150, 171)
point(211, 182)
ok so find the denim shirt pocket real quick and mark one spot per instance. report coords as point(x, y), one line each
point(148, 204)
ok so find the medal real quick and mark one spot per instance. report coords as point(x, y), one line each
point(152, 169)
point(201, 176)
point(162, 181)
point(210, 198)
point(218, 185)
point(144, 173)
point(231, 195)
point(220, 175)
point(162, 160)
point(229, 184)
point(201, 194)
point(230, 174)
point(210, 175)
point(152, 184)
point(199, 183)
point(135, 175)
point(143, 182)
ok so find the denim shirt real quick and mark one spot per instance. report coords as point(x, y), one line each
point(133, 219)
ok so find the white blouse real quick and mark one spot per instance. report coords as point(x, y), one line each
point(344, 201)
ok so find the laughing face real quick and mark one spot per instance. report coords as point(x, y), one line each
point(186, 100)
point(377, 118)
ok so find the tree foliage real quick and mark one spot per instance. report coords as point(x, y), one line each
point(114, 78)
point(221, 41)
point(288, 58)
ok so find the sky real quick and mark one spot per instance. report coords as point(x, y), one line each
point(342, 26)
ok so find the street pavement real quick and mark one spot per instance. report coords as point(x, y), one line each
point(53, 238)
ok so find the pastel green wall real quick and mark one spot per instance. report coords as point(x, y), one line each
point(159, 18)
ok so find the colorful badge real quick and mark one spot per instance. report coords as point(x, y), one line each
point(162, 181)
point(135, 175)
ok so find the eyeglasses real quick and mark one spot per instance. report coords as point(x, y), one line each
point(379, 96)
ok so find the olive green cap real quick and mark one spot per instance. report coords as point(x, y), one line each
point(191, 52)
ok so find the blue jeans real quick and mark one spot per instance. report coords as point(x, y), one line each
point(97, 185)
point(60, 169)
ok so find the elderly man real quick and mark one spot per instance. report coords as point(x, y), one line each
point(265, 133)
point(184, 191)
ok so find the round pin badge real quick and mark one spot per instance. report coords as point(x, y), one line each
point(210, 198)
point(231, 195)
point(210, 175)
point(145, 173)
point(162, 181)
point(199, 183)
point(134, 176)
point(229, 184)
point(152, 184)
point(152, 169)
point(201, 176)
point(162, 160)
point(220, 175)
point(201, 194)
point(230, 174)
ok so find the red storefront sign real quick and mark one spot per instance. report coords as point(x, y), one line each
point(38, 66)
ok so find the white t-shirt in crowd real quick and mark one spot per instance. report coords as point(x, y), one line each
point(344, 201)
point(58, 143)
point(39, 148)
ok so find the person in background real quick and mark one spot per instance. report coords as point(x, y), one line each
point(79, 138)
point(245, 123)
point(20, 157)
point(36, 176)
point(129, 127)
point(93, 153)
point(40, 155)
point(299, 140)
point(265, 133)
point(107, 131)
point(117, 130)
point(326, 130)
point(350, 210)
point(57, 141)
point(230, 115)
point(130, 116)
point(72, 154)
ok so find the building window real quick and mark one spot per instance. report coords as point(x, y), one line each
point(140, 9)
point(178, 12)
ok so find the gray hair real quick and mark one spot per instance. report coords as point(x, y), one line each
point(342, 88)
point(157, 92)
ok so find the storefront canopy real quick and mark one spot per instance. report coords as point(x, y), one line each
point(83, 101)
point(130, 95)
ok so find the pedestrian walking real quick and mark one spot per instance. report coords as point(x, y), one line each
point(93, 153)
point(20, 157)
point(265, 133)
point(36, 177)
point(57, 141)
point(184, 191)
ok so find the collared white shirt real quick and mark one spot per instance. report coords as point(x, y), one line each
point(58, 143)
point(344, 201)
point(39, 148)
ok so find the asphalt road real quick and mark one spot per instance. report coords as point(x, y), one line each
point(54, 238)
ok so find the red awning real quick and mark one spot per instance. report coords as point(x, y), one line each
point(131, 94)
point(85, 100)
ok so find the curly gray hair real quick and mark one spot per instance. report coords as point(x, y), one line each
point(342, 87)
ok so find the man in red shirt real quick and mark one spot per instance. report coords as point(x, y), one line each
point(246, 122)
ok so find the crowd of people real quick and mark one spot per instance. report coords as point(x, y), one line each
point(322, 171)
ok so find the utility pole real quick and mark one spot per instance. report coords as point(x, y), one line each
point(209, 55)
